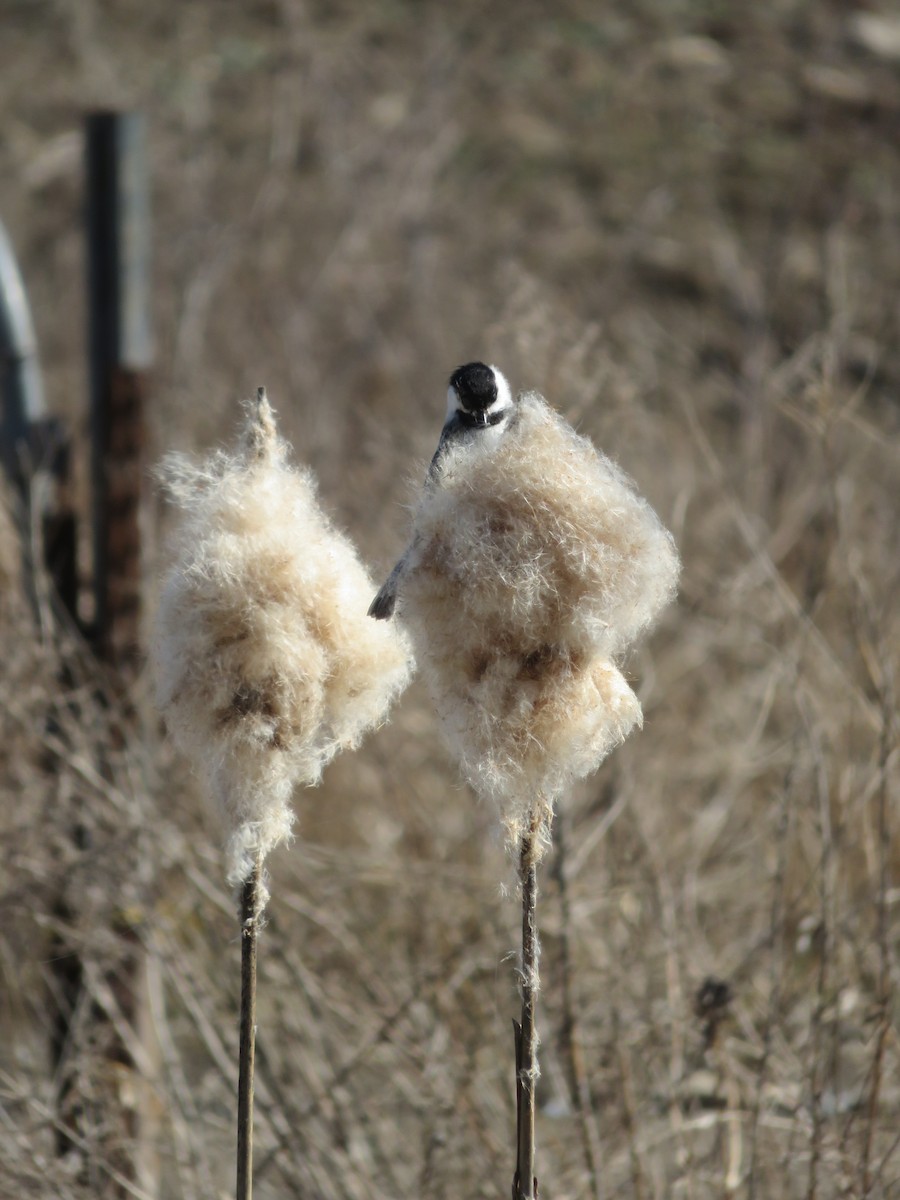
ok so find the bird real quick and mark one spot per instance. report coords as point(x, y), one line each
point(480, 405)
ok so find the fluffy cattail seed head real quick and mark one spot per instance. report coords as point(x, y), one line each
point(266, 664)
point(534, 564)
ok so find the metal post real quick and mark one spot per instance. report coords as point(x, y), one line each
point(118, 232)
point(120, 347)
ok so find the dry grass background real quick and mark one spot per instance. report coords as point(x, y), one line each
point(679, 221)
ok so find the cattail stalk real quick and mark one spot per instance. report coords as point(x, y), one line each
point(534, 566)
point(266, 664)
point(251, 909)
point(524, 1181)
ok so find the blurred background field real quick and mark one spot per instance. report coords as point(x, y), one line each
point(679, 221)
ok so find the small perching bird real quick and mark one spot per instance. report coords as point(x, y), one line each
point(479, 406)
point(266, 665)
point(533, 565)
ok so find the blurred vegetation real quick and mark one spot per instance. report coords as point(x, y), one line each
point(679, 222)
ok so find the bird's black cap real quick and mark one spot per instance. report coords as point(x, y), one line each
point(476, 386)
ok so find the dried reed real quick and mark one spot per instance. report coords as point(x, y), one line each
point(534, 565)
point(266, 664)
point(265, 668)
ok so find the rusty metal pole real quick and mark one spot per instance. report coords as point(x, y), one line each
point(120, 347)
point(118, 232)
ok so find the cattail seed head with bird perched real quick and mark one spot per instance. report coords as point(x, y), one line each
point(266, 665)
point(533, 565)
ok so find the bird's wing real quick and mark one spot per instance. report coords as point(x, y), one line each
point(451, 430)
point(382, 607)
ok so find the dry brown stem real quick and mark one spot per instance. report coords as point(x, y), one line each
point(524, 1181)
point(250, 914)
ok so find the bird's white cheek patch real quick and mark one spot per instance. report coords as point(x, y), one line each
point(504, 394)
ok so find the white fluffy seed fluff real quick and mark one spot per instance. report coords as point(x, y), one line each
point(266, 663)
point(534, 564)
